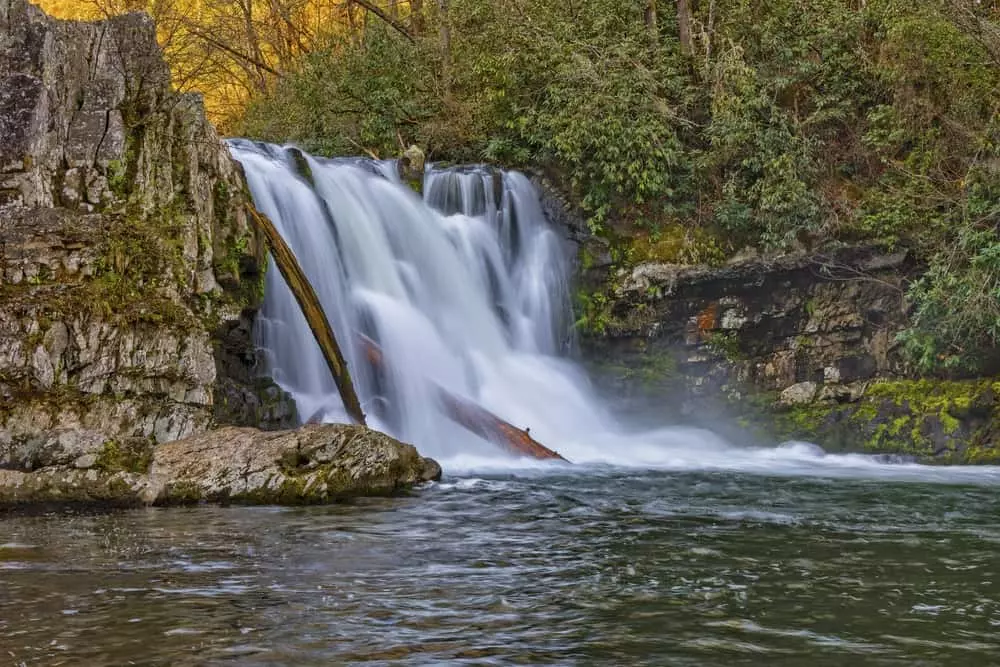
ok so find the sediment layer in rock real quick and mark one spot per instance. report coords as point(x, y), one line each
point(310, 465)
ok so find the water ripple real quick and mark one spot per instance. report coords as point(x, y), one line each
point(608, 568)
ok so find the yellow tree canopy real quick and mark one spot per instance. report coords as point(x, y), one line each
point(231, 50)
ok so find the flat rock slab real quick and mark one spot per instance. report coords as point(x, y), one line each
point(309, 465)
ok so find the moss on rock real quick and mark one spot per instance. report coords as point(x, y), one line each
point(934, 421)
point(133, 455)
point(310, 465)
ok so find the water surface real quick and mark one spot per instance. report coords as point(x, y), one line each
point(602, 566)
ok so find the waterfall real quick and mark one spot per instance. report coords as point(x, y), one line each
point(465, 289)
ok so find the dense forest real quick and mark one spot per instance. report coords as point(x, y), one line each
point(687, 131)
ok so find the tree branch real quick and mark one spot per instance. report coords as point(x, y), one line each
point(239, 55)
point(396, 25)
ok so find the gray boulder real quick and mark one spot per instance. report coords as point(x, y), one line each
point(314, 464)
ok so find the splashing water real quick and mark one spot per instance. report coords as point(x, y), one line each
point(465, 289)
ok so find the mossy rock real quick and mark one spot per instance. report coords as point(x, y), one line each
point(934, 421)
point(310, 465)
point(133, 455)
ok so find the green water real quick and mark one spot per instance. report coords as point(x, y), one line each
point(601, 567)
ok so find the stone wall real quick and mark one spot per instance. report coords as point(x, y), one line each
point(793, 347)
point(128, 271)
point(804, 326)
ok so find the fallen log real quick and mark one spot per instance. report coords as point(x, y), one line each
point(306, 297)
point(491, 428)
point(475, 418)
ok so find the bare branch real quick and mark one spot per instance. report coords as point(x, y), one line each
point(396, 25)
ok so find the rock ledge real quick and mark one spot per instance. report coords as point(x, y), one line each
point(310, 465)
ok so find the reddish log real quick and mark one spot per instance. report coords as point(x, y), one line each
point(477, 419)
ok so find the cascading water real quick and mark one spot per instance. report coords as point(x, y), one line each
point(466, 290)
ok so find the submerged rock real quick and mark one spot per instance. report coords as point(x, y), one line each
point(312, 464)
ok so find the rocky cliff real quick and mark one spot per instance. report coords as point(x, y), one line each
point(799, 346)
point(128, 273)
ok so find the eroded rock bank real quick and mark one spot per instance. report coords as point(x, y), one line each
point(309, 465)
point(129, 275)
point(800, 346)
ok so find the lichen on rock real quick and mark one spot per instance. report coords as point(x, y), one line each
point(128, 258)
point(313, 464)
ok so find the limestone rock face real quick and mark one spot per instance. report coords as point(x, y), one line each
point(821, 323)
point(312, 464)
point(315, 463)
point(126, 256)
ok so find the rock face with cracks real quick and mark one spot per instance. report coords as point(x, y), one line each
point(129, 274)
point(312, 464)
point(799, 347)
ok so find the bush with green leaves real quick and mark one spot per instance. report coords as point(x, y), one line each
point(349, 97)
point(780, 125)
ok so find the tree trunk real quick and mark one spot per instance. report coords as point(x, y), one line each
point(352, 28)
point(652, 25)
point(445, 31)
point(684, 26)
point(710, 35)
point(491, 428)
point(306, 297)
point(416, 16)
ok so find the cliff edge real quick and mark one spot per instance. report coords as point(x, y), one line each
point(129, 275)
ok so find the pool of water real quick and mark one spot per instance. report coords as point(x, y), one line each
point(601, 566)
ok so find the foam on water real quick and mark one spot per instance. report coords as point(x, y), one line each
point(466, 290)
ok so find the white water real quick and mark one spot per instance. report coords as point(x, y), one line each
point(467, 290)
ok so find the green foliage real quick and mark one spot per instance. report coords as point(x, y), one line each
point(134, 455)
point(725, 343)
point(117, 179)
point(594, 308)
point(956, 315)
point(581, 90)
point(350, 97)
point(673, 244)
point(590, 96)
point(786, 125)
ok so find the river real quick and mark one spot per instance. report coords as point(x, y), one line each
point(597, 566)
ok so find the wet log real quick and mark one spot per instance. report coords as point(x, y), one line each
point(475, 418)
point(306, 297)
point(491, 428)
